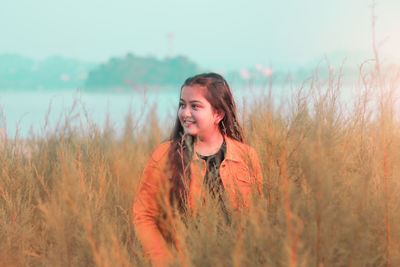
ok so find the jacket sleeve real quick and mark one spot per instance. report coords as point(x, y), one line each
point(146, 210)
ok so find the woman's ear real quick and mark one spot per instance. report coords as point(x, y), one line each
point(219, 115)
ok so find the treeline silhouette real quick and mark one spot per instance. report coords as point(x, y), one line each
point(134, 70)
point(22, 73)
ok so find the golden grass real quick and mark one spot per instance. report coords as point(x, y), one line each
point(331, 188)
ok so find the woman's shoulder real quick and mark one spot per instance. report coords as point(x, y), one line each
point(238, 144)
point(161, 151)
point(241, 149)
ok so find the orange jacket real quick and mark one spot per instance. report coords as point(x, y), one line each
point(239, 172)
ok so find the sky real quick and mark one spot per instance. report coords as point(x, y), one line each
point(223, 34)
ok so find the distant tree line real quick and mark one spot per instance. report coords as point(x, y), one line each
point(21, 73)
point(134, 70)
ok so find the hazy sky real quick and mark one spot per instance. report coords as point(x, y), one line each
point(214, 33)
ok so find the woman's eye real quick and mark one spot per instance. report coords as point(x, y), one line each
point(181, 105)
point(195, 106)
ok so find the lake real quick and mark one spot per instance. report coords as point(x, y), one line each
point(24, 113)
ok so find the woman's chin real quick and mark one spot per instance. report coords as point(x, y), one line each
point(190, 132)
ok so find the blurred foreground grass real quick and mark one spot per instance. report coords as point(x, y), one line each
point(331, 185)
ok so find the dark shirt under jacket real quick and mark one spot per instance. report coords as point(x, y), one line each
point(212, 179)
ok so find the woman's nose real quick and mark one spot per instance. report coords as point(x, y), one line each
point(186, 112)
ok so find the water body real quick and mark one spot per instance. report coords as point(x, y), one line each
point(33, 113)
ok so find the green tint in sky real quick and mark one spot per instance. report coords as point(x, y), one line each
point(215, 34)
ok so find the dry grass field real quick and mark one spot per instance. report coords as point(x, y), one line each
point(331, 187)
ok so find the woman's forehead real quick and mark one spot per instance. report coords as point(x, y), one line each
point(193, 92)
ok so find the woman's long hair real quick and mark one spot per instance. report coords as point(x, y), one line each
point(220, 97)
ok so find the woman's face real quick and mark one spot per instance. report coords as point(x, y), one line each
point(196, 114)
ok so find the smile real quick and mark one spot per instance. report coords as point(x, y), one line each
point(188, 123)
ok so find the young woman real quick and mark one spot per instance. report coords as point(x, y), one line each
point(205, 156)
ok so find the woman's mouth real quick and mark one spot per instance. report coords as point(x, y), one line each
point(188, 123)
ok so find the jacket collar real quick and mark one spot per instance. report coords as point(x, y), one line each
point(233, 151)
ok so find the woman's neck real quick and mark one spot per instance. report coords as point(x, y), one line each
point(209, 146)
